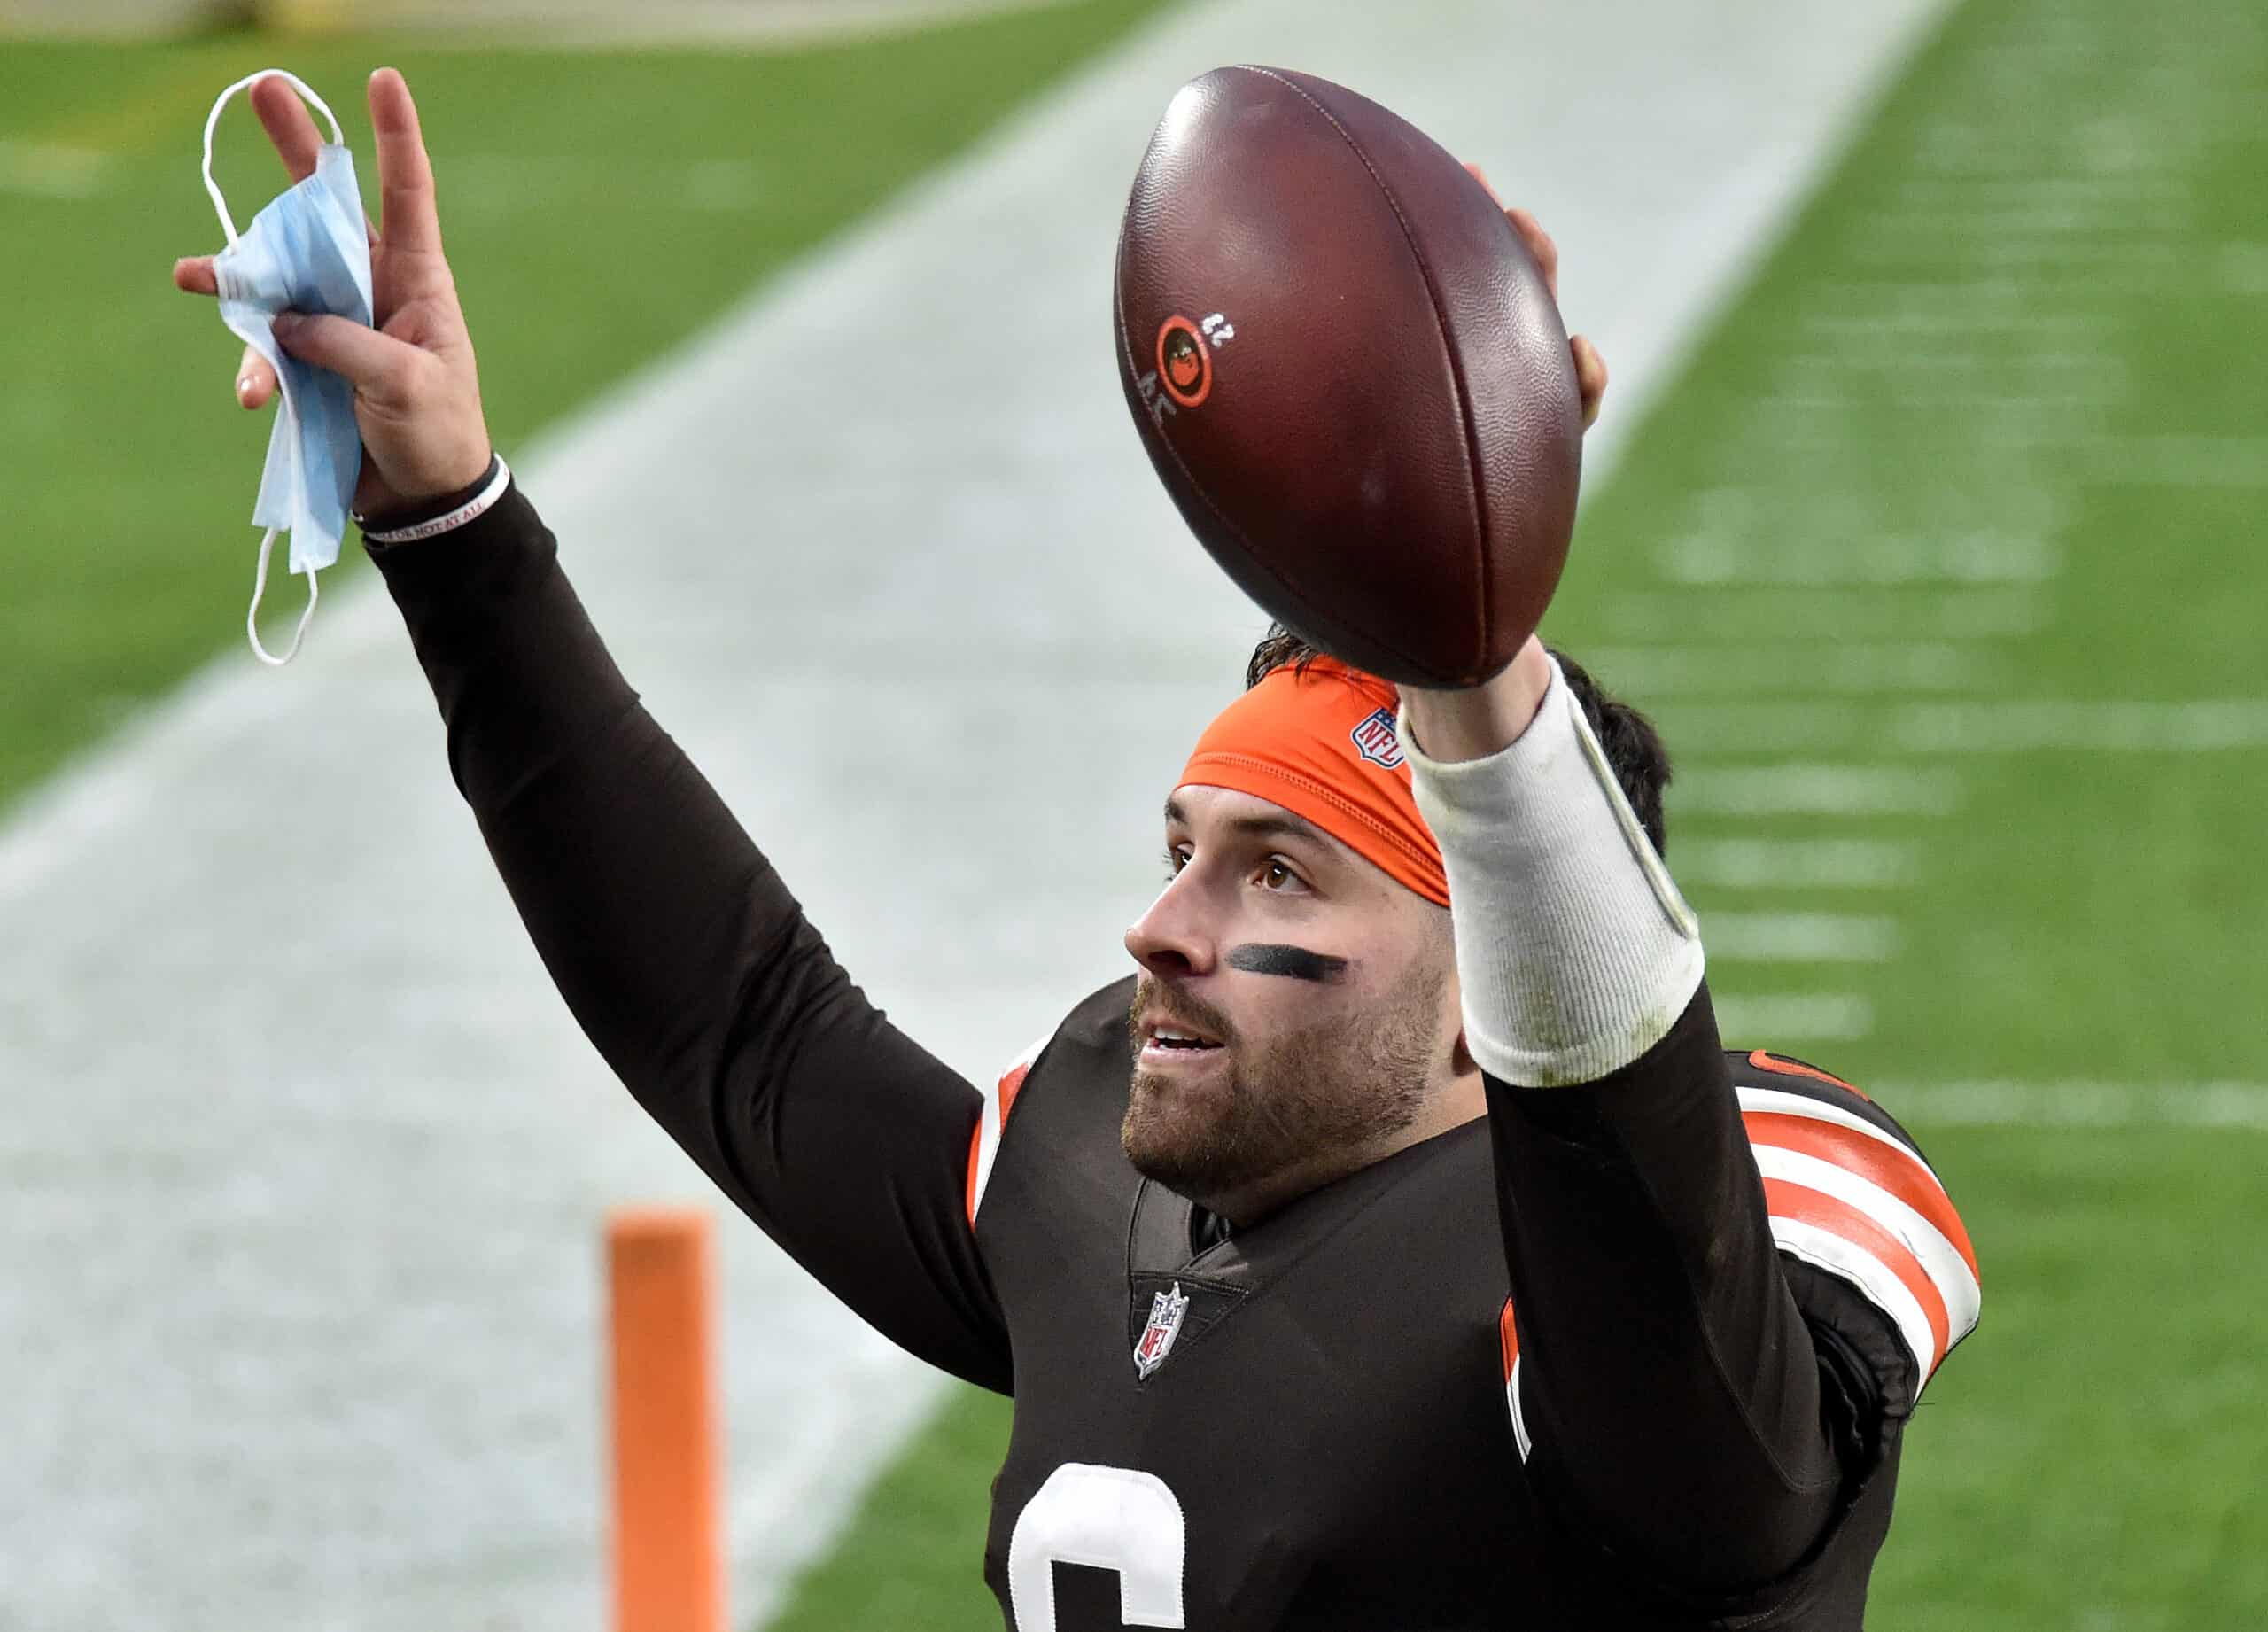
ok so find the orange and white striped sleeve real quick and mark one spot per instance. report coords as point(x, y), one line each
point(1848, 1192)
point(992, 1121)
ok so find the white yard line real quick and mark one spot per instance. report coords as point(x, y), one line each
point(2078, 1104)
point(47, 170)
point(1767, 1020)
point(1814, 791)
point(2200, 726)
point(1983, 557)
point(1824, 614)
point(1797, 665)
point(1795, 864)
point(2234, 462)
point(1800, 937)
point(306, 1158)
point(1697, 731)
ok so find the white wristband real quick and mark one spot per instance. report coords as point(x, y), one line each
point(1574, 949)
point(479, 505)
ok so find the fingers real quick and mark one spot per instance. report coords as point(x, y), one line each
point(376, 364)
point(193, 276)
point(407, 215)
point(1539, 245)
point(1537, 241)
point(1590, 378)
point(255, 380)
point(288, 125)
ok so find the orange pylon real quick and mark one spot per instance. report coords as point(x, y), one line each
point(668, 1559)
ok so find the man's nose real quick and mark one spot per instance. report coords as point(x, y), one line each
point(1172, 937)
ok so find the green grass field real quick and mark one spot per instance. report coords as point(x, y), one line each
point(607, 205)
point(1952, 526)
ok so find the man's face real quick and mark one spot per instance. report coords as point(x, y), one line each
point(1314, 998)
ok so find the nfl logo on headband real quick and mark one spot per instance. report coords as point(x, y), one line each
point(1376, 738)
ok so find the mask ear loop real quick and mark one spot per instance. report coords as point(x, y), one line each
point(211, 187)
point(229, 226)
point(260, 588)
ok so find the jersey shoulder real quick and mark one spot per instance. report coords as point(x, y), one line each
point(1852, 1197)
point(1092, 1031)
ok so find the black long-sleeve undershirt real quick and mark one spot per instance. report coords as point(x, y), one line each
point(684, 957)
point(1659, 1332)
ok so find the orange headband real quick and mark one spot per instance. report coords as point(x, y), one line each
point(1321, 744)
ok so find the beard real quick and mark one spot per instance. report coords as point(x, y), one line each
point(1316, 1098)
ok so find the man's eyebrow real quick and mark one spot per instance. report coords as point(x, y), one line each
point(1279, 824)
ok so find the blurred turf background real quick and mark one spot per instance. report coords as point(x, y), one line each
point(601, 207)
point(1994, 410)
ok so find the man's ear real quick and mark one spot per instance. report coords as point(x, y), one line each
point(1461, 1060)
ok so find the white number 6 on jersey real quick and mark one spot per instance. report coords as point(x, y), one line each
point(1111, 1518)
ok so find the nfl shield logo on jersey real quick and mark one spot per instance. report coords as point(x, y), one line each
point(1375, 738)
point(1166, 1311)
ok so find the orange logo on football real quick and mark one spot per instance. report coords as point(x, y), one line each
point(1184, 363)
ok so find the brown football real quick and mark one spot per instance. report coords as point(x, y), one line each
point(1350, 374)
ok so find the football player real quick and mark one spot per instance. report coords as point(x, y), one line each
point(1397, 1247)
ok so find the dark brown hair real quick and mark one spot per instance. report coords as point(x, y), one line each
point(1633, 747)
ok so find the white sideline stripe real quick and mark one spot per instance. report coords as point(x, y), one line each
point(1780, 1102)
point(332, 1015)
point(2080, 1104)
point(1769, 1019)
point(1796, 864)
point(1870, 1275)
point(1939, 1258)
point(1813, 790)
point(1799, 938)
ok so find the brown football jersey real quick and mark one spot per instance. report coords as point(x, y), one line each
point(1314, 1422)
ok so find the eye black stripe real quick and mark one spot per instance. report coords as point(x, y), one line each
point(1291, 963)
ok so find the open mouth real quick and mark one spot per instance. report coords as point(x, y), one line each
point(1165, 1045)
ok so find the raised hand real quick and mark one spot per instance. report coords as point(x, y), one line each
point(1590, 367)
point(416, 386)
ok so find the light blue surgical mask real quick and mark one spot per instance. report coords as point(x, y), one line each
point(308, 250)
